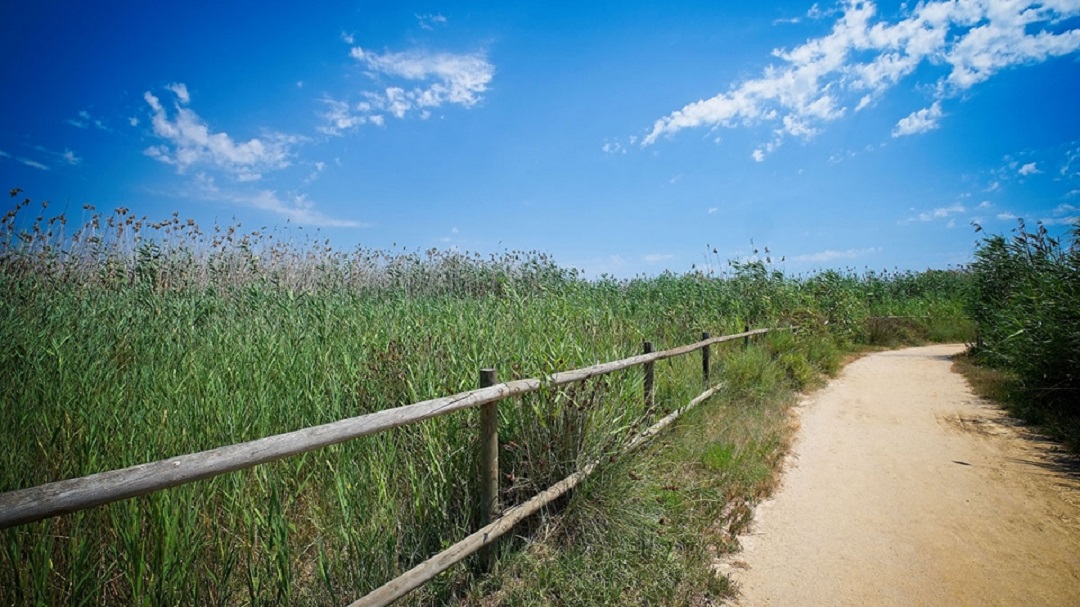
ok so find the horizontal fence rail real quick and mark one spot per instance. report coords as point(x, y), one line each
point(61, 497)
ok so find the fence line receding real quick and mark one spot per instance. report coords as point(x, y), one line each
point(61, 497)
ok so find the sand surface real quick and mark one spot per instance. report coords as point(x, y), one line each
point(903, 488)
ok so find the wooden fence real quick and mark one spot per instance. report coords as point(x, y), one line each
point(66, 496)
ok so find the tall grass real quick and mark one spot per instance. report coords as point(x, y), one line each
point(127, 340)
point(1025, 298)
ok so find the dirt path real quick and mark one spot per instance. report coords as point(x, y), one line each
point(905, 489)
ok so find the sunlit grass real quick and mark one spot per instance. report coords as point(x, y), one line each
point(1025, 299)
point(128, 340)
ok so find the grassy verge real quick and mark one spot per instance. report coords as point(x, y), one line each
point(1007, 389)
point(129, 341)
point(646, 529)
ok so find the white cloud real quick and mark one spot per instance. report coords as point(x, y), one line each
point(180, 90)
point(341, 116)
point(429, 21)
point(938, 213)
point(816, 12)
point(133, 121)
point(613, 147)
point(33, 163)
point(1070, 167)
point(188, 141)
point(758, 155)
point(1061, 221)
point(67, 157)
point(921, 121)
point(1029, 169)
point(985, 204)
point(713, 210)
point(1006, 216)
point(348, 38)
point(413, 82)
point(450, 78)
point(833, 255)
point(1063, 214)
point(863, 57)
point(85, 121)
point(295, 207)
point(657, 257)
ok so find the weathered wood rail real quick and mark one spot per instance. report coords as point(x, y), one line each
point(61, 497)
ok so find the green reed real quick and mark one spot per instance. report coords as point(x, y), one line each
point(127, 340)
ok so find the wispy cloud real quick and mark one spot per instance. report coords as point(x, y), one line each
point(613, 147)
point(85, 121)
point(1029, 169)
point(415, 82)
point(67, 157)
point(938, 213)
point(25, 161)
point(180, 90)
point(834, 255)
point(1070, 165)
point(33, 163)
point(921, 121)
point(862, 58)
point(654, 258)
point(189, 141)
point(296, 207)
point(429, 21)
point(1063, 214)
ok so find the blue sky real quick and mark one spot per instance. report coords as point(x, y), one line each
point(623, 137)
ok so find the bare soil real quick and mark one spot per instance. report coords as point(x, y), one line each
point(903, 488)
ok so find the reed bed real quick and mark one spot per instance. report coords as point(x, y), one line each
point(125, 340)
point(1024, 295)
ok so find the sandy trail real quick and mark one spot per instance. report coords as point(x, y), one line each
point(905, 489)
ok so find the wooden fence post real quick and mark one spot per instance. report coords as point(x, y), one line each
point(746, 340)
point(705, 358)
point(650, 392)
point(489, 464)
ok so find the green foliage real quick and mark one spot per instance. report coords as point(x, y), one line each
point(1025, 299)
point(130, 341)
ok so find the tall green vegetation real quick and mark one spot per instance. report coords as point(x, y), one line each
point(126, 340)
point(1025, 297)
